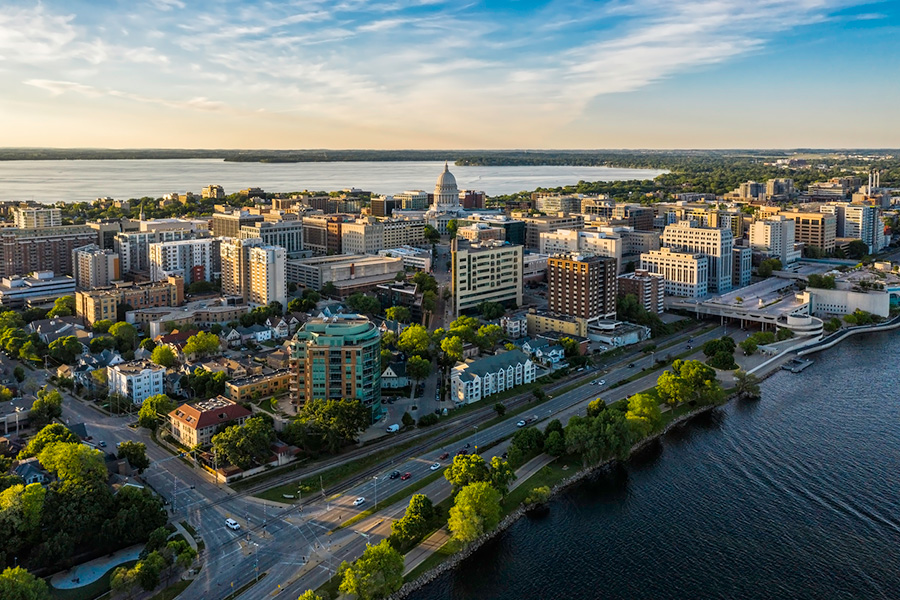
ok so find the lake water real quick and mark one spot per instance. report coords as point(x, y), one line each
point(85, 180)
point(793, 496)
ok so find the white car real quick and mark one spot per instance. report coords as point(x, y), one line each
point(521, 424)
point(602, 382)
point(435, 466)
point(359, 501)
point(232, 524)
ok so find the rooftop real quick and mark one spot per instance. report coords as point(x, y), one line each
point(137, 366)
point(208, 413)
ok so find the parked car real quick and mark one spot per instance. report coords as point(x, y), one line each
point(359, 501)
point(435, 466)
point(444, 456)
point(393, 428)
point(395, 475)
point(232, 524)
point(405, 476)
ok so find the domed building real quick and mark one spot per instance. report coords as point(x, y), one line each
point(446, 206)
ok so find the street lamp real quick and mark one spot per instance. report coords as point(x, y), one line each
point(375, 477)
point(476, 436)
point(18, 410)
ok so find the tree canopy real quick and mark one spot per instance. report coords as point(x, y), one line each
point(242, 445)
point(475, 510)
point(164, 356)
point(18, 584)
point(152, 408)
point(50, 434)
point(376, 574)
point(202, 343)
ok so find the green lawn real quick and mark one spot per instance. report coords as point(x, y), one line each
point(442, 554)
point(89, 591)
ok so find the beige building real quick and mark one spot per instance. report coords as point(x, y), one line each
point(649, 289)
point(37, 218)
point(716, 244)
point(95, 305)
point(348, 272)
point(93, 267)
point(488, 271)
point(195, 424)
point(686, 273)
point(266, 276)
point(234, 255)
point(263, 386)
point(536, 226)
point(599, 242)
point(480, 231)
point(545, 322)
point(582, 286)
point(814, 229)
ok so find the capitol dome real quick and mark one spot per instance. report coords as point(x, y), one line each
point(446, 179)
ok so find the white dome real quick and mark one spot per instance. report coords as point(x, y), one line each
point(446, 179)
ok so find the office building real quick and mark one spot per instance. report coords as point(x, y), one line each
point(287, 233)
point(485, 272)
point(714, 243)
point(266, 268)
point(41, 249)
point(96, 305)
point(337, 358)
point(403, 232)
point(230, 224)
point(93, 267)
point(413, 258)
point(686, 273)
point(742, 266)
point(37, 218)
point(634, 216)
point(216, 192)
point(16, 290)
point(513, 229)
point(196, 423)
point(537, 226)
point(539, 322)
point(582, 286)
point(108, 229)
point(133, 247)
point(857, 221)
point(322, 233)
point(774, 237)
point(413, 200)
point(476, 380)
point(814, 229)
point(349, 273)
point(600, 242)
point(471, 200)
point(648, 288)
point(136, 380)
point(779, 190)
point(363, 236)
point(383, 206)
point(557, 203)
point(194, 260)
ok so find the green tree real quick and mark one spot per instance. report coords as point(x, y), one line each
point(722, 360)
point(164, 356)
point(502, 474)
point(475, 511)
point(416, 522)
point(538, 495)
point(327, 424)
point(500, 409)
point(123, 581)
point(749, 346)
point(10, 319)
point(579, 439)
point(364, 304)
point(101, 326)
point(125, 334)
point(62, 307)
point(99, 344)
point(491, 310)
point(376, 574)
point(148, 345)
point(746, 384)
point(767, 266)
point(241, 445)
point(46, 407)
point(398, 313)
point(407, 420)
point(51, 434)
point(74, 463)
point(688, 381)
point(432, 236)
point(857, 249)
point(418, 368)
point(453, 349)
point(570, 347)
point(643, 414)
point(18, 584)
point(452, 227)
point(415, 340)
point(310, 595)
point(152, 408)
point(555, 444)
point(466, 469)
point(19, 373)
point(149, 569)
point(488, 336)
point(329, 289)
point(65, 349)
point(595, 407)
point(136, 453)
point(202, 343)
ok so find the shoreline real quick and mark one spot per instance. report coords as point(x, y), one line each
point(454, 560)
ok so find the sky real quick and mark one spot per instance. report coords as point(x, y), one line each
point(450, 74)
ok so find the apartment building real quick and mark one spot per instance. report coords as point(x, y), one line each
point(41, 249)
point(263, 385)
point(814, 229)
point(535, 226)
point(37, 218)
point(714, 243)
point(476, 380)
point(266, 276)
point(686, 274)
point(136, 380)
point(774, 237)
point(196, 423)
point(582, 286)
point(647, 287)
point(94, 267)
point(230, 224)
point(322, 233)
point(287, 233)
point(194, 260)
point(600, 242)
point(133, 247)
point(98, 304)
point(485, 272)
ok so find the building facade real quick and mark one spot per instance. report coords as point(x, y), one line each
point(37, 218)
point(775, 238)
point(195, 424)
point(41, 249)
point(814, 229)
point(485, 272)
point(686, 273)
point(262, 386)
point(266, 276)
point(194, 260)
point(136, 380)
point(582, 286)
point(648, 288)
point(94, 267)
point(42, 285)
point(715, 244)
point(476, 380)
point(230, 224)
point(285, 233)
point(95, 305)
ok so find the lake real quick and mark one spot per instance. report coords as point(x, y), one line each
point(50, 181)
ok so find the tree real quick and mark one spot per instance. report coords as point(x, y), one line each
point(136, 453)
point(51, 434)
point(643, 414)
point(722, 360)
point(749, 346)
point(538, 495)
point(123, 581)
point(18, 584)
point(555, 444)
point(152, 408)
point(99, 344)
point(502, 474)
point(500, 409)
point(452, 227)
point(62, 307)
point(10, 319)
point(414, 524)
point(164, 356)
point(329, 289)
point(453, 349)
point(46, 407)
point(376, 574)
point(746, 384)
point(539, 395)
point(206, 384)
point(407, 420)
point(202, 343)
point(149, 570)
point(101, 326)
point(310, 595)
point(414, 340)
point(579, 439)
point(570, 347)
point(75, 463)
point(595, 407)
point(148, 345)
point(19, 373)
point(475, 511)
point(65, 349)
point(327, 425)
point(125, 334)
point(769, 265)
point(857, 249)
point(431, 235)
point(488, 336)
point(398, 313)
point(466, 469)
point(364, 304)
point(418, 368)
point(241, 445)
point(491, 310)
point(688, 381)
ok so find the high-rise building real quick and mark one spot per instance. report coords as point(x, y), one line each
point(634, 215)
point(266, 267)
point(775, 237)
point(710, 241)
point(582, 286)
point(648, 288)
point(234, 255)
point(194, 260)
point(322, 233)
point(814, 229)
point(94, 267)
point(383, 206)
point(858, 221)
point(285, 233)
point(41, 249)
point(536, 226)
point(229, 224)
point(413, 200)
point(742, 266)
point(337, 358)
point(779, 189)
point(108, 229)
point(363, 236)
point(133, 247)
point(686, 273)
point(751, 190)
point(591, 241)
point(485, 272)
point(38, 218)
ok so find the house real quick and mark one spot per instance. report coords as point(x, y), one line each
point(172, 383)
point(136, 380)
point(142, 354)
point(231, 338)
point(514, 326)
point(394, 327)
point(394, 377)
point(80, 430)
point(280, 327)
point(256, 333)
point(555, 336)
point(65, 371)
point(91, 362)
point(176, 341)
point(195, 424)
point(473, 381)
point(50, 330)
point(330, 309)
point(278, 359)
point(31, 471)
point(544, 350)
point(470, 350)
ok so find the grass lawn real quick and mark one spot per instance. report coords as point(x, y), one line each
point(549, 475)
point(172, 591)
point(329, 589)
point(439, 556)
point(89, 591)
point(396, 497)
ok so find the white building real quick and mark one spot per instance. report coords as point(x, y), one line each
point(775, 237)
point(714, 243)
point(599, 242)
point(94, 267)
point(37, 218)
point(514, 326)
point(686, 273)
point(471, 382)
point(195, 260)
point(136, 380)
point(15, 291)
point(445, 206)
point(133, 247)
point(413, 258)
point(267, 273)
point(488, 271)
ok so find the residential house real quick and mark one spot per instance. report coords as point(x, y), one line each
point(175, 340)
point(88, 362)
point(31, 471)
point(514, 326)
point(394, 376)
point(473, 381)
point(555, 336)
point(195, 424)
point(281, 328)
point(544, 351)
point(50, 330)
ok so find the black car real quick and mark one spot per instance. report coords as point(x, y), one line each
point(630, 365)
point(395, 474)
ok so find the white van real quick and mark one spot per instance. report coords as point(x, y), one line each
point(393, 428)
point(232, 524)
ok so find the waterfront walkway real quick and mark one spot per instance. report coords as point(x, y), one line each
point(89, 572)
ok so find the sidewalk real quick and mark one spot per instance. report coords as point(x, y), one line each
point(91, 571)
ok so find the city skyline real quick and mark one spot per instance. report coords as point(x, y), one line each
point(434, 74)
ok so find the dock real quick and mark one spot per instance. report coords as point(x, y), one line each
point(795, 365)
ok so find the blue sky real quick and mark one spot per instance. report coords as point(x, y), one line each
point(455, 74)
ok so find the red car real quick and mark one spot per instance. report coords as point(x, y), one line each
point(462, 452)
point(444, 456)
point(405, 476)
